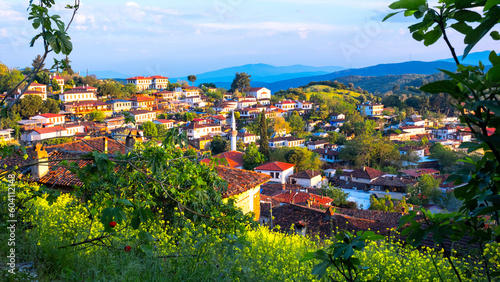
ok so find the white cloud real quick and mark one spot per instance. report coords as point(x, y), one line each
point(8, 14)
point(3, 32)
point(132, 4)
point(271, 26)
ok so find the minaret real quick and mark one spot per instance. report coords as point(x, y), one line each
point(233, 132)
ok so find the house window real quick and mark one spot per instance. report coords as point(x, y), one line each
point(277, 174)
point(272, 174)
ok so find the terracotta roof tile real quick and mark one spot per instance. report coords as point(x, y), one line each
point(275, 166)
point(240, 180)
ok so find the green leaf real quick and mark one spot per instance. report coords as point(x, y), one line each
point(432, 36)
point(462, 27)
point(493, 75)
point(495, 35)
point(307, 257)
point(442, 86)
point(490, 3)
point(467, 16)
point(320, 269)
point(408, 4)
point(418, 35)
point(390, 15)
point(482, 29)
point(494, 58)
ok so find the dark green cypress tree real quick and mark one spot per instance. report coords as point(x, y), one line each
point(264, 144)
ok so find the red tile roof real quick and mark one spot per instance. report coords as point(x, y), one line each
point(49, 129)
point(419, 171)
point(275, 166)
point(233, 158)
point(50, 115)
point(37, 84)
point(306, 174)
point(365, 173)
point(240, 180)
point(165, 120)
point(255, 89)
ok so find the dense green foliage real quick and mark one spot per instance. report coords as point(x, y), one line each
point(219, 145)
point(241, 82)
point(96, 115)
point(252, 157)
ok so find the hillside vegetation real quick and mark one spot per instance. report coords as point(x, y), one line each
point(184, 251)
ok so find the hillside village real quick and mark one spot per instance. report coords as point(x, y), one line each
point(328, 145)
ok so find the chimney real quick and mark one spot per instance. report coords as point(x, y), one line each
point(364, 168)
point(104, 145)
point(39, 170)
point(129, 142)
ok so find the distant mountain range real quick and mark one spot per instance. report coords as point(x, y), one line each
point(278, 78)
point(262, 73)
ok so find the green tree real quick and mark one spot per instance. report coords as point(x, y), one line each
point(446, 156)
point(191, 152)
point(55, 86)
point(43, 78)
point(108, 89)
point(50, 106)
point(424, 191)
point(219, 145)
point(252, 157)
point(296, 123)
point(192, 78)
point(129, 89)
point(241, 82)
point(10, 79)
point(303, 159)
point(240, 146)
point(264, 142)
point(337, 194)
point(28, 106)
point(96, 115)
point(188, 117)
point(149, 128)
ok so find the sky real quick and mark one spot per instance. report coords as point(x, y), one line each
point(178, 38)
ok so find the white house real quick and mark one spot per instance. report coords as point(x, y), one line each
point(308, 178)
point(246, 103)
point(304, 105)
point(5, 135)
point(191, 100)
point(362, 175)
point(328, 155)
point(190, 91)
point(419, 151)
point(370, 109)
point(52, 119)
point(260, 92)
point(44, 133)
point(286, 105)
point(196, 131)
point(246, 138)
point(279, 172)
point(142, 116)
point(73, 96)
point(286, 141)
point(320, 144)
point(30, 92)
point(149, 82)
point(414, 121)
point(166, 123)
point(226, 107)
point(119, 105)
